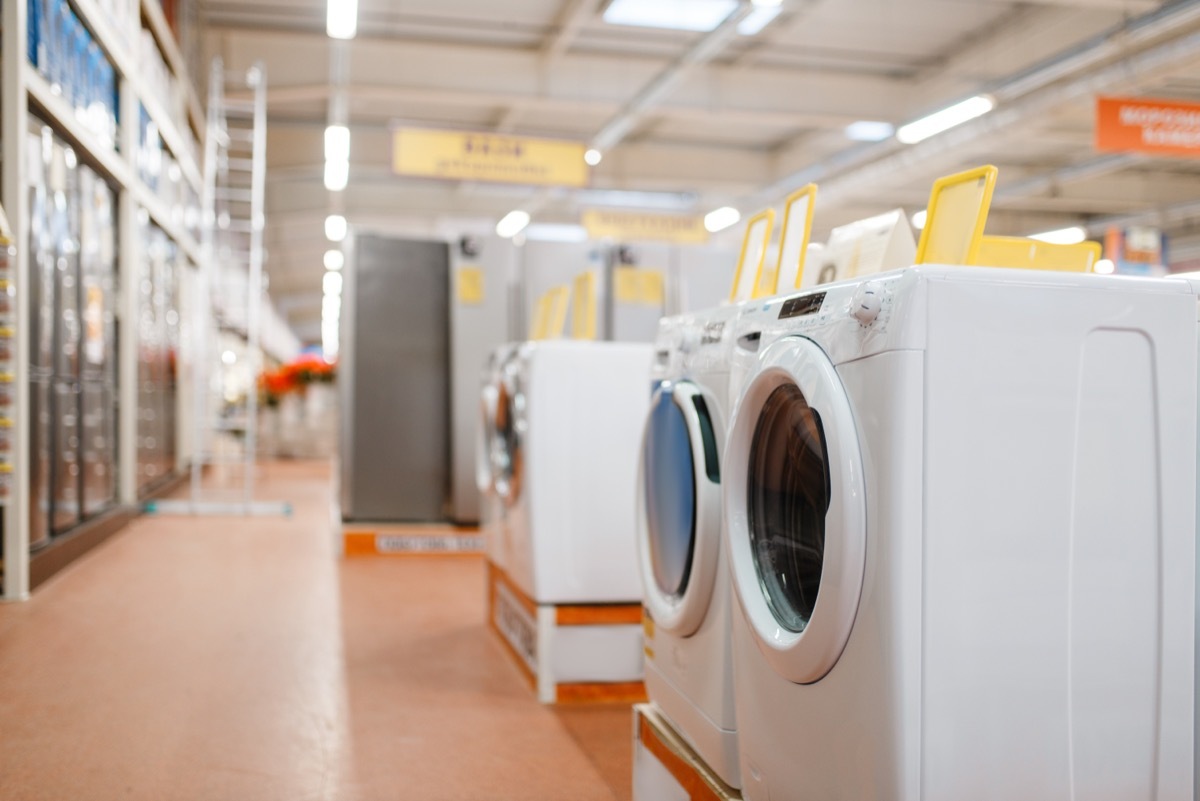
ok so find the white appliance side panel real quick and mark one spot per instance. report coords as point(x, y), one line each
point(1029, 621)
point(856, 732)
point(477, 327)
point(588, 403)
point(597, 653)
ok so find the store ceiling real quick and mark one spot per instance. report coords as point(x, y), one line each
point(762, 116)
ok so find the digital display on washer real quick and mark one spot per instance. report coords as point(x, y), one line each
point(798, 307)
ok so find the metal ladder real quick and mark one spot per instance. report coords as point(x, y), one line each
point(229, 299)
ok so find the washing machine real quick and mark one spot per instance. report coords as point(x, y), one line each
point(573, 423)
point(685, 583)
point(960, 509)
point(491, 451)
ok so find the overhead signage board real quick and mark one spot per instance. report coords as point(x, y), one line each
point(468, 156)
point(1147, 125)
point(626, 226)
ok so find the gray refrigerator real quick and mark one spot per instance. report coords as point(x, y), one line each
point(393, 376)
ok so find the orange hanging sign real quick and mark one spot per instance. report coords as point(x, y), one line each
point(1145, 125)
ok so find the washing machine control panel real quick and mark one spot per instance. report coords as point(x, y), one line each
point(802, 306)
point(867, 302)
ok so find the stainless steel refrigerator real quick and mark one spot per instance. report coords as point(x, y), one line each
point(393, 376)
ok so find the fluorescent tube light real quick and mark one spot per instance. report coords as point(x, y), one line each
point(334, 260)
point(918, 219)
point(337, 143)
point(337, 157)
point(556, 232)
point(592, 157)
point(1062, 236)
point(512, 224)
point(869, 131)
point(332, 284)
point(758, 19)
point(680, 15)
point(720, 219)
point(1104, 267)
point(945, 119)
point(335, 228)
point(337, 175)
point(341, 19)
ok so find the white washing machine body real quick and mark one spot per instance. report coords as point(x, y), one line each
point(491, 450)
point(571, 476)
point(961, 509)
point(689, 666)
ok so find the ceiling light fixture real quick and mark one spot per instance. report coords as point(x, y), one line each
point(869, 130)
point(337, 175)
point(556, 232)
point(337, 157)
point(592, 156)
point(1062, 236)
point(1104, 267)
point(759, 18)
point(334, 260)
point(944, 120)
point(341, 19)
point(918, 219)
point(335, 228)
point(332, 284)
point(679, 15)
point(720, 219)
point(512, 223)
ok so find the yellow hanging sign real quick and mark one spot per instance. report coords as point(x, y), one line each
point(626, 226)
point(468, 156)
point(470, 286)
point(638, 286)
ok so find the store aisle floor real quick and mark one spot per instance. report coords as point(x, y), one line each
point(242, 660)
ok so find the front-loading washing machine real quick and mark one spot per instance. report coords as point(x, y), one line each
point(574, 412)
point(960, 509)
point(685, 583)
point(491, 451)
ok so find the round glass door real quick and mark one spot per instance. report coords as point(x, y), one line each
point(506, 442)
point(796, 509)
point(787, 498)
point(679, 501)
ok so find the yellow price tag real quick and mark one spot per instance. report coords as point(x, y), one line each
point(470, 285)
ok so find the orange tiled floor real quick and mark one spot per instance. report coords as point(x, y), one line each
point(241, 660)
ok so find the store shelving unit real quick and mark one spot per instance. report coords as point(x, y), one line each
point(25, 92)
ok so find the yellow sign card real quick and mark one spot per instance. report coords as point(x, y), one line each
point(466, 156)
point(638, 286)
point(626, 226)
point(583, 306)
point(470, 286)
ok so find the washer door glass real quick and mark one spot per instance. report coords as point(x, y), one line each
point(787, 498)
point(669, 472)
point(506, 445)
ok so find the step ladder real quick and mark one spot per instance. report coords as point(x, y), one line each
point(230, 298)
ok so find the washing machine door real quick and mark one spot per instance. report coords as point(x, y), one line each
point(489, 398)
point(796, 509)
point(679, 505)
point(507, 456)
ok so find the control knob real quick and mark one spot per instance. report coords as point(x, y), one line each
point(867, 302)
